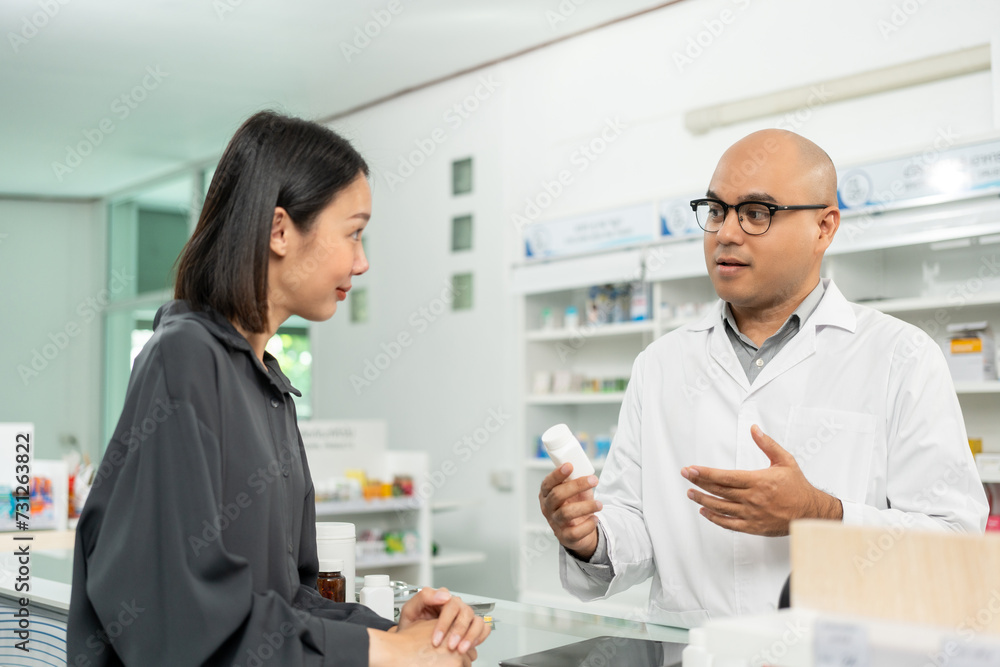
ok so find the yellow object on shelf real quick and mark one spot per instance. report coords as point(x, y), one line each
point(357, 474)
point(976, 445)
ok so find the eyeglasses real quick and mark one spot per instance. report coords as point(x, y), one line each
point(754, 216)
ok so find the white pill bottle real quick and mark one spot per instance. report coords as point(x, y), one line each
point(377, 595)
point(563, 447)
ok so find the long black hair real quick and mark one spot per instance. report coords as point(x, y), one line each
point(272, 160)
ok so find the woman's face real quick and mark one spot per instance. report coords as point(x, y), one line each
point(315, 272)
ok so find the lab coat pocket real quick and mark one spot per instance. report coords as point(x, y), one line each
point(833, 448)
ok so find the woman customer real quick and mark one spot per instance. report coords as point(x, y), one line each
point(197, 544)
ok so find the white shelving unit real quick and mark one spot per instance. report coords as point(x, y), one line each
point(389, 514)
point(447, 556)
point(929, 266)
point(335, 446)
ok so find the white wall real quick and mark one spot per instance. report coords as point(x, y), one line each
point(548, 104)
point(52, 259)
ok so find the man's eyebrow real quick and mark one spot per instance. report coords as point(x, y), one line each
point(758, 196)
point(364, 216)
point(750, 196)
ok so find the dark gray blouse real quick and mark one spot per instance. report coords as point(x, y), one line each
point(197, 544)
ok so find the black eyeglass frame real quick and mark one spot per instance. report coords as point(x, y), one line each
point(772, 209)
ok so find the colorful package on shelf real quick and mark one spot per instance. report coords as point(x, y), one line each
point(394, 542)
point(41, 501)
point(402, 485)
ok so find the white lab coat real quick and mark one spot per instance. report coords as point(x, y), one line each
point(864, 401)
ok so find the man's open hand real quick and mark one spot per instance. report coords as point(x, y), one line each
point(760, 502)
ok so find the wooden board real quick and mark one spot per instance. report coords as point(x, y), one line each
point(943, 579)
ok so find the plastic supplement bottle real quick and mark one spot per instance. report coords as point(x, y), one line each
point(377, 595)
point(331, 583)
point(563, 447)
point(337, 540)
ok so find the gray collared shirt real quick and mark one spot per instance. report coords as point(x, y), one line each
point(752, 358)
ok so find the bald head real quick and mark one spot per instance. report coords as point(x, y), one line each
point(765, 275)
point(790, 154)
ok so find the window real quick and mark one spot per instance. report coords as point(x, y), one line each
point(461, 233)
point(461, 283)
point(461, 176)
point(290, 346)
point(359, 305)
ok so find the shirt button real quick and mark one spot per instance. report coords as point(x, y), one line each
point(759, 362)
point(285, 469)
point(291, 549)
point(274, 403)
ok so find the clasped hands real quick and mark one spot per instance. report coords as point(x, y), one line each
point(435, 628)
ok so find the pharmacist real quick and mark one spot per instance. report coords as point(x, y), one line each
point(785, 402)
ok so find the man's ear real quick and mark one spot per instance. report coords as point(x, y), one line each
point(828, 226)
point(280, 232)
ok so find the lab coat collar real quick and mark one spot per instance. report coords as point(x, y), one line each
point(226, 333)
point(833, 310)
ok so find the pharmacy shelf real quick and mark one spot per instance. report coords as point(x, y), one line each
point(389, 560)
point(592, 331)
point(989, 467)
point(576, 398)
point(920, 303)
point(546, 464)
point(985, 387)
point(450, 558)
point(342, 507)
point(449, 505)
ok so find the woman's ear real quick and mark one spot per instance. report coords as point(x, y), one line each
point(280, 232)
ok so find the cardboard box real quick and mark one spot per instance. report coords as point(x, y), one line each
point(970, 352)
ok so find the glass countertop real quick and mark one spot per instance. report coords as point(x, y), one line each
point(519, 628)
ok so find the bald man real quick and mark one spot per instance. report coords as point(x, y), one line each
point(785, 402)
